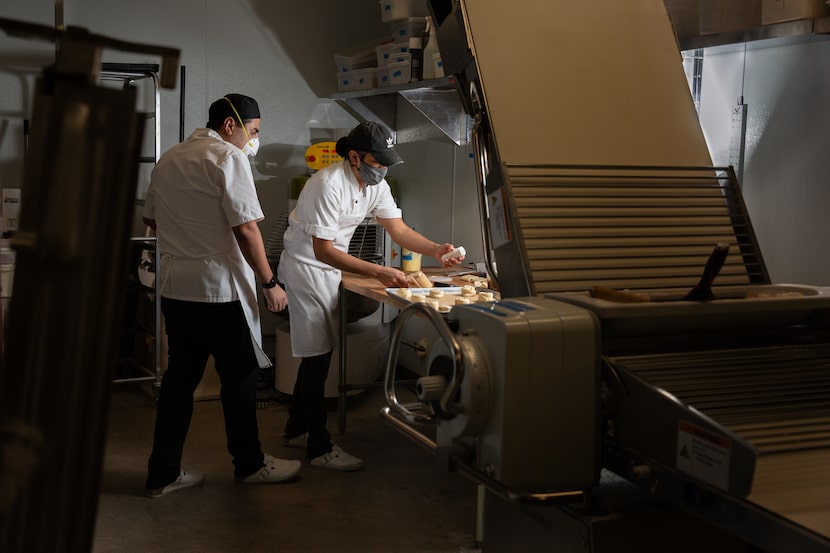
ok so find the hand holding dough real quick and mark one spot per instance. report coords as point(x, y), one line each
point(418, 280)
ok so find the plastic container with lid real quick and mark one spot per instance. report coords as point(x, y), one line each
point(438, 65)
point(364, 79)
point(399, 72)
point(390, 52)
point(359, 57)
point(7, 255)
point(405, 29)
point(395, 10)
point(429, 39)
point(344, 81)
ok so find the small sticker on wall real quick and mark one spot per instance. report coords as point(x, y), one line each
point(703, 454)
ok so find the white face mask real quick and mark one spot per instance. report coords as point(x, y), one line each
point(252, 146)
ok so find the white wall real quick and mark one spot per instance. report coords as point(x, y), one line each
point(786, 177)
point(223, 48)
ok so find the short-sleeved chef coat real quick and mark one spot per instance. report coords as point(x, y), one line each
point(330, 207)
point(199, 190)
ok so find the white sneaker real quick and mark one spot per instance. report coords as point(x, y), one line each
point(184, 481)
point(337, 459)
point(275, 470)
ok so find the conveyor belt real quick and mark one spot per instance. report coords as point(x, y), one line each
point(626, 227)
point(777, 399)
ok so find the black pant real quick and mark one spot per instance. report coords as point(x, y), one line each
point(194, 332)
point(308, 406)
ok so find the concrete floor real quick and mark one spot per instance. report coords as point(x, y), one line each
point(401, 502)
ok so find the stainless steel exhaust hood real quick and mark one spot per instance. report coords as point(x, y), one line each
point(416, 111)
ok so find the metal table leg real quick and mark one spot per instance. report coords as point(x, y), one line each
point(481, 492)
point(342, 384)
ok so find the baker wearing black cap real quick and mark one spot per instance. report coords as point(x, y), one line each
point(231, 116)
point(203, 205)
point(333, 202)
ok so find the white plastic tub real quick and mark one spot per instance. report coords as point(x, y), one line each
point(404, 29)
point(399, 72)
point(364, 79)
point(391, 52)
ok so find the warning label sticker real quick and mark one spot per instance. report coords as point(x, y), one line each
point(499, 222)
point(703, 454)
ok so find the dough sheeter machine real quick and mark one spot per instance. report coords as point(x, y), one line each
point(642, 385)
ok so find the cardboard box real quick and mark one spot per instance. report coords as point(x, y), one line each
point(725, 16)
point(779, 11)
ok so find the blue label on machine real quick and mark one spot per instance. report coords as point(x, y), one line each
point(515, 306)
point(487, 307)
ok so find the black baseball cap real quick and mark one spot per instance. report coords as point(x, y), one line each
point(371, 137)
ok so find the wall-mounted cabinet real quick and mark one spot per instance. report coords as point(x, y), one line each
point(424, 110)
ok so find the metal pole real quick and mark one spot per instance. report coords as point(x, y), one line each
point(182, 74)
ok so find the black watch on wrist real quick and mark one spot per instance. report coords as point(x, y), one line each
point(271, 283)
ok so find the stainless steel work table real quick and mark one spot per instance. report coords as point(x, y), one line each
point(370, 288)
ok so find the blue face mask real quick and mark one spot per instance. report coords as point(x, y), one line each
point(371, 175)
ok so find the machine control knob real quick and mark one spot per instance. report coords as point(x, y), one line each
point(430, 388)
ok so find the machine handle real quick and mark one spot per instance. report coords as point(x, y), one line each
point(703, 290)
point(458, 368)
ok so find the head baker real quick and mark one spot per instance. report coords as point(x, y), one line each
point(333, 202)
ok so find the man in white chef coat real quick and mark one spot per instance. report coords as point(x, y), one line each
point(203, 205)
point(333, 202)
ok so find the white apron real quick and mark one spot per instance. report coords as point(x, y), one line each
point(233, 277)
point(313, 295)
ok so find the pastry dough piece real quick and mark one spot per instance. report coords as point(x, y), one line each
point(404, 293)
point(444, 308)
point(462, 300)
point(419, 280)
point(485, 296)
point(457, 252)
point(432, 303)
point(475, 280)
point(468, 291)
point(418, 298)
point(436, 293)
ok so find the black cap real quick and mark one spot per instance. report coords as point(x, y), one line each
point(245, 106)
point(371, 137)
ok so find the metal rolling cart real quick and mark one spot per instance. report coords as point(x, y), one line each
point(142, 317)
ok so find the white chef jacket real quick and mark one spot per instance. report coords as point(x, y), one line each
point(198, 191)
point(330, 207)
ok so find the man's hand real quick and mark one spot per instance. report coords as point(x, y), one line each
point(275, 298)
